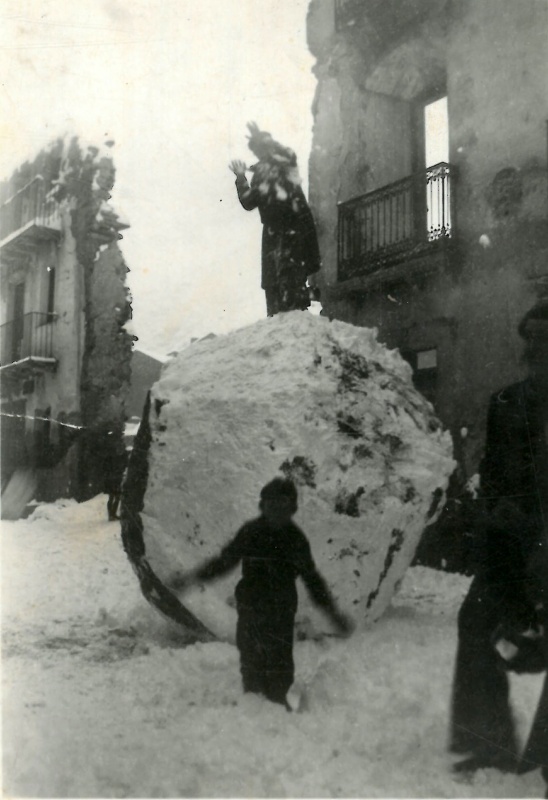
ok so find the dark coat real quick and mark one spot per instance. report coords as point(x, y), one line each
point(513, 483)
point(289, 234)
point(509, 538)
point(536, 750)
point(271, 562)
point(515, 465)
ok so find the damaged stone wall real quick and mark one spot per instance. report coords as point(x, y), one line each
point(488, 56)
point(468, 312)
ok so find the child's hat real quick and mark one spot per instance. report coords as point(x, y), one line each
point(280, 487)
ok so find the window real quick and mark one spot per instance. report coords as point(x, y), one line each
point(50, 309)
point(16, 329)
point(436, 132)
point(436, 154)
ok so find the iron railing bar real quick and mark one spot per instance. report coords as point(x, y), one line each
point(27, 336)
point(389, 221)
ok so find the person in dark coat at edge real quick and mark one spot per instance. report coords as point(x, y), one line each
point(273, 552)
point(115, 463)
point(290, 251)
point(510, 546)
point(535, 753)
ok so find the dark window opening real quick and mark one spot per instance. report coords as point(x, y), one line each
point(51, 293)
point(18, 324)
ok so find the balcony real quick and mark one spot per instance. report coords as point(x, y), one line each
point(27, 345)
point(29, 216)
point(403, 221)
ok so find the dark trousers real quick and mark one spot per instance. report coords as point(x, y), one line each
point(265, 642)
point(481, 719)
point(288, 294)
point(112, 504)
point(536, 749)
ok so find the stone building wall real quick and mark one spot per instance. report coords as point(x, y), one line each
point(489, 57)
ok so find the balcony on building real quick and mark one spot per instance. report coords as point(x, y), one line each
point(396, 230)
point(30, 216)
point(27, 346)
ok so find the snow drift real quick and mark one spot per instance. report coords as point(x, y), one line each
point(99, 701)
point(296, 395)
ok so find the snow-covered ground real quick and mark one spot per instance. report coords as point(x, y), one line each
point(100, 699)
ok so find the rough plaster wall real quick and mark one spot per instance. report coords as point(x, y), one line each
point(362, 117)
point(496, 70)
point(494, 49)
point(337, 165)
point(412, 66)
point(497, 54)
point(492, 55)
point(324, 180)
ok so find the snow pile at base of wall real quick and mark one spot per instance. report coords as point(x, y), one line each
point(299, 396)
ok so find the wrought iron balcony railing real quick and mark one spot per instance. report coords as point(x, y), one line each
point(30, 207)
point(29, 337)
point(394, 223)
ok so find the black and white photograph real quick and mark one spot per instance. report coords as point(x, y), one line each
point(274, 398)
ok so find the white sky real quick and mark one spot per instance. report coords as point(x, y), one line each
point(437, 132)
point(173, 82)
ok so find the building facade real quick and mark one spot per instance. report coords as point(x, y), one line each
point(65, 356)
point(429, 184)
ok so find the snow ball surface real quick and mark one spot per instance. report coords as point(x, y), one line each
point(298, 396)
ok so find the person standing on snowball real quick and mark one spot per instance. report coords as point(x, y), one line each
point(510, 542)
point(290, 251)
point(273, 552)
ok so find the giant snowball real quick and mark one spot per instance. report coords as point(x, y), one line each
point(294, 395)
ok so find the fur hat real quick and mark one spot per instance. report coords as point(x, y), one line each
point(265, 147)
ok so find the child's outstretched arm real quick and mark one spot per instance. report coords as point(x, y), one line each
point(319, 592)
point(215, 567)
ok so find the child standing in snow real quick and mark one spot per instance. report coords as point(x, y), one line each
point(274, 552)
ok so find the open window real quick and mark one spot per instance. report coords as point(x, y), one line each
point(410, 216)
point(435, 159)
point(50, 310)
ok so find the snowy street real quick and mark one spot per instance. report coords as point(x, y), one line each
point(100, 700)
